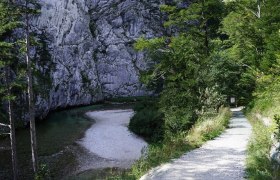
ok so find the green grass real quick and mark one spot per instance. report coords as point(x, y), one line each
point(175, 146)
point(258, 164)
point(209, 128)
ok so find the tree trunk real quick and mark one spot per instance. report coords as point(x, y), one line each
point(31, 95)
point(12, 125)
point(13, 141)
point(259, 9)
point(205, 28)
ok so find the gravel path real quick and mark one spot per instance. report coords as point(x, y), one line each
point(109, 138)
point(220, 159)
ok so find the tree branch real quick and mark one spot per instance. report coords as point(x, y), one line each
point(6, 125)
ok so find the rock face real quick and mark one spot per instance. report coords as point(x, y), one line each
point(91, 48)
point(275, 151)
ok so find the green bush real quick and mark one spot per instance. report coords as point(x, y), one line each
point(178, 120)
point(43, 173)
point(147, 122)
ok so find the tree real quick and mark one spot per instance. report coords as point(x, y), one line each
point(30, 9)
point(8, 22)
point(182, 60)
point(253, 41)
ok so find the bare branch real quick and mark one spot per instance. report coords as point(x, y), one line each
point(5, 148)
point(6, 125)
point(5, 133)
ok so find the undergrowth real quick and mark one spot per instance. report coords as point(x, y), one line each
point(266, 102)
point(258, 164)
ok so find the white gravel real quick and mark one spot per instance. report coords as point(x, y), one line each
point(220, 159)
point(110, 138)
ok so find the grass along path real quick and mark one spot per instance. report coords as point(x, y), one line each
point(222, 158)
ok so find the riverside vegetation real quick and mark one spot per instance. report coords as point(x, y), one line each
point(220, 49)
point(210, 50)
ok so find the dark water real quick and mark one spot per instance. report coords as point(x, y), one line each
point(56, 137)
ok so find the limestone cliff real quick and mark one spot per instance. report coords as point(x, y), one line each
point(91, 48)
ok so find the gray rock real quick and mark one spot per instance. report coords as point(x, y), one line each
point(275, 151)
point(91, 47)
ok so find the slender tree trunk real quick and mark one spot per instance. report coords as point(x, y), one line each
point(259, 9)
point(13, 141)
point(31, 95)
point(205, 28)
point(12, 125)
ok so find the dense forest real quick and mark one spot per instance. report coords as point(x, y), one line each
point(214, 50)
point(210, 52)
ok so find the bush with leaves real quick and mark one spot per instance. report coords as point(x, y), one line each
point(147, 121)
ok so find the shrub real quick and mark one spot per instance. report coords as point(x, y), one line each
point(43, 173)
point(148, 121)
point(178, 120)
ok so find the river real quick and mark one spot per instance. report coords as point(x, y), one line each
point(59, 146)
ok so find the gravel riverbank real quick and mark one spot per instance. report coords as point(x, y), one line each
point(110, 139)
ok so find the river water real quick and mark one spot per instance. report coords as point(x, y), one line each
point(57, 138)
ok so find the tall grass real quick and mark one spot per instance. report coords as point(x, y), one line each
point(209, 127)
point(258, 164)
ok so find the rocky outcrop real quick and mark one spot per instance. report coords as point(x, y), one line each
point(90, 43)
point(275, 151)
point(115, 25)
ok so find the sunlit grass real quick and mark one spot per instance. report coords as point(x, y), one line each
point(258, 163)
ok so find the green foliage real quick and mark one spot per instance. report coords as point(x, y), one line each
point(253, 40)
point(9, 21)
point(258, 163)
point(181, 70)
point(199, 18)
point(209, 127)
point(267, 96)
point(147, 122)
point(43, 173)
point(266, 102)
point(177, 144)
point(211, 99)
point(277, 121)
